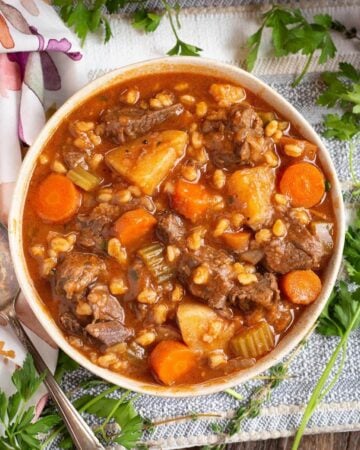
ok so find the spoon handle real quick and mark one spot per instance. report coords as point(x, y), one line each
point(81, 434)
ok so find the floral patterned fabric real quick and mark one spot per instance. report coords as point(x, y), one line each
point(34, 44)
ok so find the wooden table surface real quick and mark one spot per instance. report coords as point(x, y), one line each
point(328, 441)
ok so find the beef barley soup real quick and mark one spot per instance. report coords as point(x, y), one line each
point(176, 227)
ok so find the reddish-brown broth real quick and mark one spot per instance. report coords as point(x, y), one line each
point(35, 230)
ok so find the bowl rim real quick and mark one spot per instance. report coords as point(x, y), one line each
point(160, 65)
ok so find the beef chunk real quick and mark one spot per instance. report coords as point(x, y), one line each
point(70, 324)
point(170, 228)
point(304, 240)
point(244, 118)
point(104, 305)
point(76, 272)
point(73, 159)
point(300, 250)
point(220, 281)
point(265, 293)
point(94, 227)
point(243, 126)
point(109, 333)
point(131, 122)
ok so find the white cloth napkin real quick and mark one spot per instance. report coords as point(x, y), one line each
point(36, 49)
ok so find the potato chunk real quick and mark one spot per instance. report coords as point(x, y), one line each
point(202, 329)
point(227, 94)
point(252, 190)
point(147, 161)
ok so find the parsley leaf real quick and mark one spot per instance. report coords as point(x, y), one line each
point(145, 20)
point(291, 33)
point(180, 47)
point(64, 364)
point(184, 49)
point(18, 431)
point(26, 379)
point(343, 90)
point(343, 127)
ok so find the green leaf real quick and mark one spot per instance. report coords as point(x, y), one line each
point(126, 417)
point(26, 380)
point(113, 6)
point(348, 71)
point(353, 96)
point(328, 49)
point(253, 43)
point(64, 365)
point(184, 49)
point(30, 440)
point(3, 405)
point(343, 127)
point(43, 425)
point(26, 418)
point(108, 32)
point(145, 20)
point(323, 19)
point(66, 443)
point(335, 89)
point(13, 405)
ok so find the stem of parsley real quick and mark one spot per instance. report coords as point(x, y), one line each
point(304, 71)
point(320, 391)
point(171, 20)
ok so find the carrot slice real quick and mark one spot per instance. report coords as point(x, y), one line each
point(191, 200)
point(304, 183)
point(237, 241)
point(57, 199)
point(301, 286)
point(133, 226)
point(309, 148)
point(171, 360)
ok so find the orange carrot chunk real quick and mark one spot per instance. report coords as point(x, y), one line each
point(57, 200)
point(191, 200)
point(133, 226)
point(171, 360)
point(301, 287)
point(237, 241)
point(304, 183)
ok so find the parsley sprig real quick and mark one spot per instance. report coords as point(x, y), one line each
point(122, 424)
point(342, 90)
point(291, 33)
point(16, 416)
point(340, 317)
point(180, 47)
point(88, 16)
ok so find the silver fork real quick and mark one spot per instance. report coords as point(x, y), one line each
point(81, 434)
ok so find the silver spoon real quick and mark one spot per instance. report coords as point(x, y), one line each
point(81, 434)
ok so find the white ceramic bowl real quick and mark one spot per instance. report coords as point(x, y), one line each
point(175, 64)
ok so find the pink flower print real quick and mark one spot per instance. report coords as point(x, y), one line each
point(9, 75)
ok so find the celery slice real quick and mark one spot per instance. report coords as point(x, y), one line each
point(254, 342)
point(153, 257)
point(83, 178)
